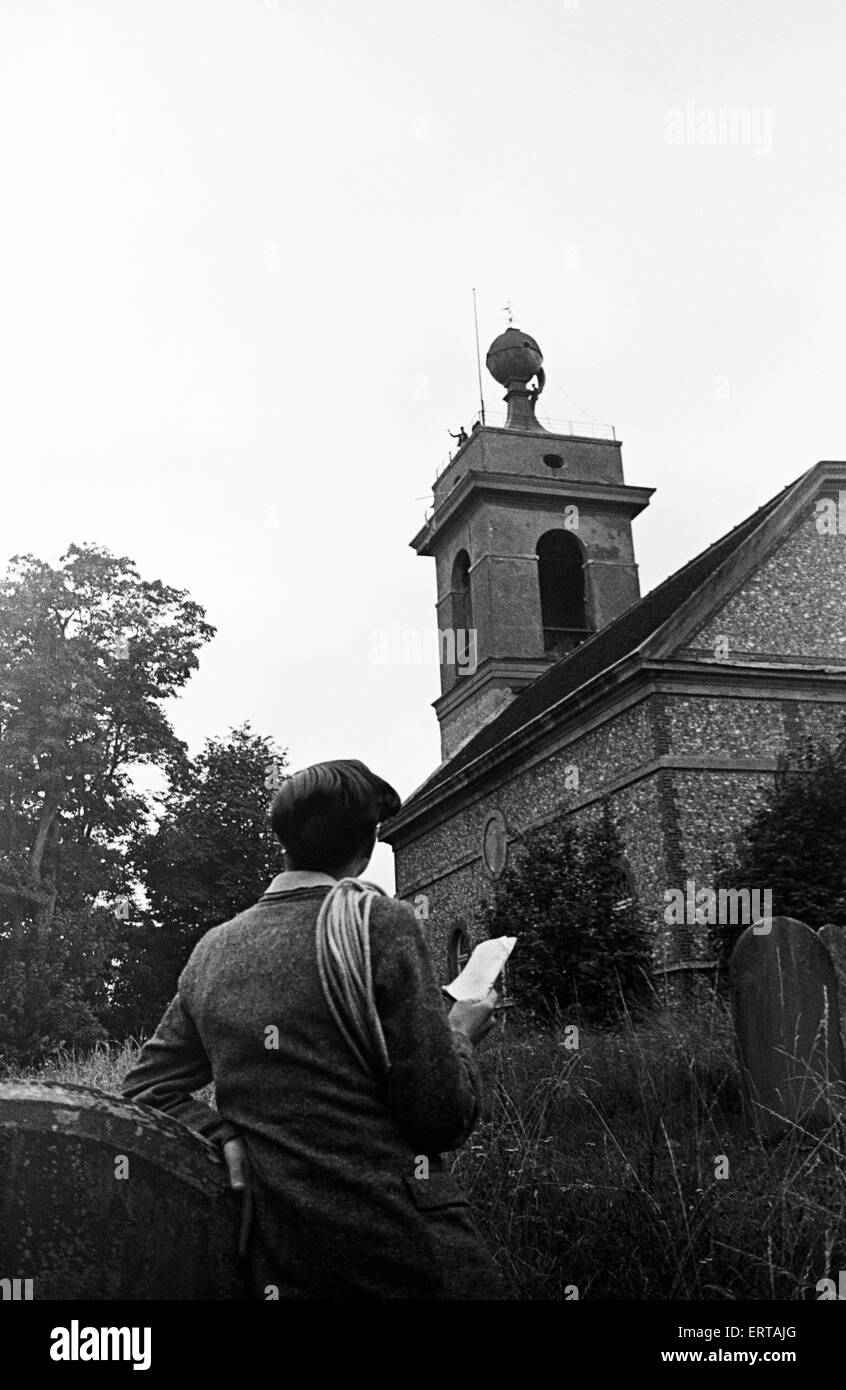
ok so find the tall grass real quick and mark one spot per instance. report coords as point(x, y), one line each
point(102, 1066)
point(595, 1169)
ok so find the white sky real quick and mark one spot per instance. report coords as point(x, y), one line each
point(237, 245)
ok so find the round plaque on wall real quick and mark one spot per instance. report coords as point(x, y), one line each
point(495, 844)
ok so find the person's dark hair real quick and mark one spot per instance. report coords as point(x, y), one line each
point(328, 813)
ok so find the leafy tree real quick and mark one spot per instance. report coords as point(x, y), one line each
point(89, 653)
point(211, 855)
point(51, 984)
point(795, 845)
point(581, 948)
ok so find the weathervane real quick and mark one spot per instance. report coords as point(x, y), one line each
point(506, 309)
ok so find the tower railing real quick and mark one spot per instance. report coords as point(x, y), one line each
point(589, 429)
point(585, 429)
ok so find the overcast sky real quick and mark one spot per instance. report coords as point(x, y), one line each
point(237, 246)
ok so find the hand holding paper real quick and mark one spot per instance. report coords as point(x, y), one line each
point(482, 969)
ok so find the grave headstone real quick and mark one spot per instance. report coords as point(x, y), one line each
point(784, 1001)
point(834, 940)
point(104, 1199)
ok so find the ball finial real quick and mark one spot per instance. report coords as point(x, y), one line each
point(513, 357)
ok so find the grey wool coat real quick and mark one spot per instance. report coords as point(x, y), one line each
point(343, 1208)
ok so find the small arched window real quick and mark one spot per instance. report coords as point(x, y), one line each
point(462, 605)
point(561, 579)
point(459, 951)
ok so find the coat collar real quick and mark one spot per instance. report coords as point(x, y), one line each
point(292, 879)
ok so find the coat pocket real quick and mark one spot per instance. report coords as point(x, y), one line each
point(436, 1192)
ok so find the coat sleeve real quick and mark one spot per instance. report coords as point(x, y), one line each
point(173, 1064)
point(434, 1081)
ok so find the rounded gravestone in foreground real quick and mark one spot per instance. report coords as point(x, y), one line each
point(77, 1229)
point(784, 1001)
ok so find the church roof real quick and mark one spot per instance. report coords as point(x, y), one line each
point(620, 639)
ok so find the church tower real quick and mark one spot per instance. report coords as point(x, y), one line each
point(531, 531)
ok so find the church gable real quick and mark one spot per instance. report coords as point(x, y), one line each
point(790, 609)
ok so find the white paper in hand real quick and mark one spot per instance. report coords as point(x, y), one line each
point(482, 969)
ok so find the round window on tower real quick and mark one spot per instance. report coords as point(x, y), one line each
point(553, 460)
